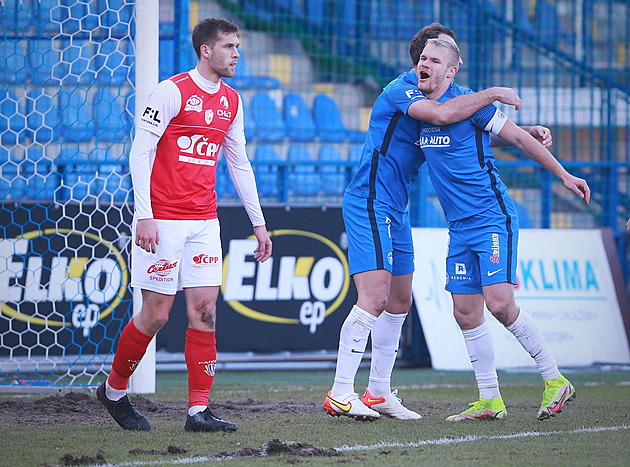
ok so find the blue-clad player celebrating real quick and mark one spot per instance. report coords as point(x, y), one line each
point(483, 231)
point(380, 247)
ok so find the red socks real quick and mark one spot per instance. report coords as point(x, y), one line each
point(201, 359)
point(131, 348)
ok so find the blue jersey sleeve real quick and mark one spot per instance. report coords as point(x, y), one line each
point(402, 92)
point(482, 116)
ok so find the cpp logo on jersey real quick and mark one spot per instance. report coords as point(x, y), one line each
point(290, 287)
point(194, 103)
point(61, 278)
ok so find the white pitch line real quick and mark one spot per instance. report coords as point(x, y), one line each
point(466, 439)
point(415, 444)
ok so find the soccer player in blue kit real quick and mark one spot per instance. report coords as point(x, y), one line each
point(380, 249)
point(483, 231)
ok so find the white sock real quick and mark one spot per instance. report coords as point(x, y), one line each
point(352, 341)
point(480, 347)
point(527, 333)
point(195, 409)
point(385, 340)
point(114, 394)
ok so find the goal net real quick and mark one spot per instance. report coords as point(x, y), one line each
point(67, 106)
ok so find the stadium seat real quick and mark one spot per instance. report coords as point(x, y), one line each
point(269, 124)
point(548, 26)
point(114, 62)
point(381, 20)
point(303, 180)
point(109, 115)
point(267, 172)
point(41, 181)
point(330, 127)
point(431, 216)
point(298, 118)
point(12, 186)
point(12, 118)
point(14, 67)
point(111, 185)
point(354, 154)
point(45, 60)
point(77, 114)
point(78, 184)
point(116, 15)
point(245, 79)
point(332, 176)
point(248, 122)
point(42, 115)
point(525, 221)
point(79, 62)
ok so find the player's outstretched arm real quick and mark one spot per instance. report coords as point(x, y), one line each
point(530, 146)
point(541, 133)
point(263, 252)
point(461, 107)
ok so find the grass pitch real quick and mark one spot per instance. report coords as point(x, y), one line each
point(281, 421)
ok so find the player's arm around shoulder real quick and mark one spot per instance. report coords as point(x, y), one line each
point(461, 107)
point(263, 252)
point(530, 146)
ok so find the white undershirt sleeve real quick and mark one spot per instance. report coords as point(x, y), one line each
point(140, 157)
point(241, 169)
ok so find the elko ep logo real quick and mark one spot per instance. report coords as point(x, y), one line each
point(48, 274)
point(304, 282)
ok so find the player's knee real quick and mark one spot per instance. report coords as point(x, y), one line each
point(503, 311)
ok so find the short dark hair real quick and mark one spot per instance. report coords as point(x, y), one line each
point(207, 32)
point(432, 31)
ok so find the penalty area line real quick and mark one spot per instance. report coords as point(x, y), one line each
point(467, 439)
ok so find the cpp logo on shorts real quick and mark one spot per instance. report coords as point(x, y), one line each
point(160, 270)
point(205, 261)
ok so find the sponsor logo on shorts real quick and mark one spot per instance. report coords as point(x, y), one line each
point(160, 270)
point(460, 268)
point(205, 261)
point(495, 248)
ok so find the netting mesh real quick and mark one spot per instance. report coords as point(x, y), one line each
point(66, 79)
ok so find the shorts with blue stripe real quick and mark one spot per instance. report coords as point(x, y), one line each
point(379, 237)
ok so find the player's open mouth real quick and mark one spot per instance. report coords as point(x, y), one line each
point(424, 75)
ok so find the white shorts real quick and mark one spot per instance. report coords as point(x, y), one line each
point(188, 255)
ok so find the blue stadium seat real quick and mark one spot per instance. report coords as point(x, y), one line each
point(405, 18)
point(116, 15)
point(41, 180)
point(330, 127)
point(248, 122)
point(109, 115)
point(547, 24)
point(298, 118)
point(111, 185)
point(12, 186)
point(303, 180)
point(525, 221)
point(224, 186)
point(12, 118)
point(79, 62)
point(245, 79)
point(381, 22)
point(267, 172)
point(431, 216)
point(427, 13)
point(77, 114)
point(14, 67)
point(114, 62)
point(42, 118)
point(354, 154)
point(16, 14)
point(70, 155)
point(78, 184)
point(45, 60)
point(269, 124)
point(333, 177)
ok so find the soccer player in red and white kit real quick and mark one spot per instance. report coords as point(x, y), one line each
point(187, 119)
